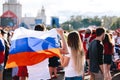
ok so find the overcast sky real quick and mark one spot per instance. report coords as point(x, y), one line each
point(65, 8)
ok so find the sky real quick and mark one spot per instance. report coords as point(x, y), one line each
point(66, 8)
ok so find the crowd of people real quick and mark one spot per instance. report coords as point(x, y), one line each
point(95, 49)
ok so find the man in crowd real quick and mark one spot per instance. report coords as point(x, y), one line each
point(95, 55)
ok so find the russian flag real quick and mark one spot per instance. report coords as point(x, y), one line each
point(29, 47)
point(2, 50)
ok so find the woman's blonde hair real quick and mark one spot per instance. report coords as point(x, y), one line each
point(78, 55)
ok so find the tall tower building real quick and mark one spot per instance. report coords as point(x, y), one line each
point(41, 15)
point(13, 6)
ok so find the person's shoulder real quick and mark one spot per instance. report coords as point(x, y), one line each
point(100, 44)
point(97, 41)
point(94, 41)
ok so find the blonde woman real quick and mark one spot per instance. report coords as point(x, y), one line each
point(74, 61)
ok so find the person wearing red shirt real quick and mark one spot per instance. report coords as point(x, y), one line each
point(108, 51)
point(88, 37)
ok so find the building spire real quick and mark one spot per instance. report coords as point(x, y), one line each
point(43, 10)
point(41, 15)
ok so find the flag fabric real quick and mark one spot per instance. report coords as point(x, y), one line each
point(2, 50)
point(29, 47)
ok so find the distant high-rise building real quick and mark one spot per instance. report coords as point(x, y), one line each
point(41, 15)
point(39, 19)
point(14, 7)
point(12, 16)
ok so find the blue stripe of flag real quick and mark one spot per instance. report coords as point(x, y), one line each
point(32, 44)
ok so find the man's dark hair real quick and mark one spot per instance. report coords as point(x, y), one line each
point(39, 28)
point(88, 31)
point(100, 31)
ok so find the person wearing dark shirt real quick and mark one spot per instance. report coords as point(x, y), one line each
point(95, 55)
point(108, 51)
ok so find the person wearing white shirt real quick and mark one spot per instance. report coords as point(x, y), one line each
point(74, 61)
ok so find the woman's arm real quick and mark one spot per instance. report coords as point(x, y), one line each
point(64, 61)
point(63, 48)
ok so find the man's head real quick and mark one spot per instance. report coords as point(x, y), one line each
point(40, 27)
point(87, 33)
point(100, 32)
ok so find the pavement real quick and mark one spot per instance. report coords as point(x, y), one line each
point(115, 76)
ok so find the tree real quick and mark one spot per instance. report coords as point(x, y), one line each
point(78, 22)
point(116, 24)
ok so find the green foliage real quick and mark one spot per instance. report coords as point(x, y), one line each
point(116, 24)
point(76, 22)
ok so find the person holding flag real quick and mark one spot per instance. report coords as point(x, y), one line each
point(35, 47)
point(43, 73)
